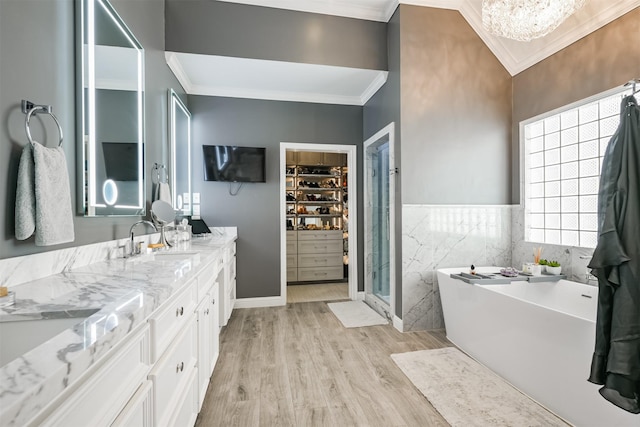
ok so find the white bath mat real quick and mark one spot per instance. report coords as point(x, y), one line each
point(355, 314)
point(469, 394)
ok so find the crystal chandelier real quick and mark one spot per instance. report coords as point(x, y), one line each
point(525, 20)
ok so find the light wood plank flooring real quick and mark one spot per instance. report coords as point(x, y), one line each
point(317, 292)
point(298, 366)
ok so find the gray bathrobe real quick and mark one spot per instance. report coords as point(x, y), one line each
point(616, 263)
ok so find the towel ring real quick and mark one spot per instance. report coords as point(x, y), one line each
point(36, 109)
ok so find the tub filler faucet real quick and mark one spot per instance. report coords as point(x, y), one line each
point(588, 276)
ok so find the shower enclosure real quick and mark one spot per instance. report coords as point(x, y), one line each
point(379, 229)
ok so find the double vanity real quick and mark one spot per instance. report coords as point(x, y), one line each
point(125, 342)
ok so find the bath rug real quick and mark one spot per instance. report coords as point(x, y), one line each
point(356, 314)
point(469, 394)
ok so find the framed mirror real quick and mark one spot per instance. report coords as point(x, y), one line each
point(179, 153)
point(112, 110)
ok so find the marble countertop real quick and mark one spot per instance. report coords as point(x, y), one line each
point(116, 295)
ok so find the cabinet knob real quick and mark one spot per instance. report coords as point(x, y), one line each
point(206, 312)
point(179, 367)
point(213, 301)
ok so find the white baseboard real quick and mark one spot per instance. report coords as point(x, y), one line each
point(360, 296)
point(397, 323)
point(259, 302)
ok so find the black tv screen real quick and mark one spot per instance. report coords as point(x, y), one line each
point(233, 164)
point(121, 160)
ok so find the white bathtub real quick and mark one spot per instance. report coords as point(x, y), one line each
point(538, 336)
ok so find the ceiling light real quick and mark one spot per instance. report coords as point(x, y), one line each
point(525, 20)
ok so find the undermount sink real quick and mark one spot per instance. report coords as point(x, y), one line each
point(21, 336)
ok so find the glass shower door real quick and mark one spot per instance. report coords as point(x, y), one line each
point(378, 220)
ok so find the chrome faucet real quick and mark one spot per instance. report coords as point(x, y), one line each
point(588, 276)
point(132, 248)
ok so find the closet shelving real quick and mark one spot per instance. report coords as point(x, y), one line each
point(315, 197)
point(316, 205)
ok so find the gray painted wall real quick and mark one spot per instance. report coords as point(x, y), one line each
point(245, 31)
point(384, 108)
point(456, 112)
point(256, 209)
point(37, 51)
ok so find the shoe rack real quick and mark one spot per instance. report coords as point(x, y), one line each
point(317, 210)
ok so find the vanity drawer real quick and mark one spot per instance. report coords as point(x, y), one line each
point(206, 279)
point(139, 410)
point(320, 235)
point(320, 247)
point(325, 260)
point(172, 373)
point(326, 273)
point(105, 393)
point(171, 319)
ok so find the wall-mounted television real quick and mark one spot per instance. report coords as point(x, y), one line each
point(233, 164)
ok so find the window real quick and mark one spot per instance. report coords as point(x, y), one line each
point(563, 154)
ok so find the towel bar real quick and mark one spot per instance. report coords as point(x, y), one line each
point(29, 108)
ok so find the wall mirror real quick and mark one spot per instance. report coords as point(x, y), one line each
point(179, 153)
point(112, 113)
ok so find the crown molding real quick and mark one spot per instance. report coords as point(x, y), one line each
point(337, 8)
point(438, 4)
point(268, 95)
point(375, 85)
point(176, 67)
point(553, 42)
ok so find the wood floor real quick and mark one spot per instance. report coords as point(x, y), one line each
point(317, 292)
point(298, 366)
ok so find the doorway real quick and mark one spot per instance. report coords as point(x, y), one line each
point(379, 220)
point(318, 229)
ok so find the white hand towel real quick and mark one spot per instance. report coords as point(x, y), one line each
point(51, 192)
point(26, 196)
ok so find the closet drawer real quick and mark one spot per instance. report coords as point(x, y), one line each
point(173, 372)
point(292, 260)
point(320, 247)
point(292, 235)
point(326, 260)
point(292, 274)
point(320, 235)
point(292, 247)
point(326, 273)
point(171, 319)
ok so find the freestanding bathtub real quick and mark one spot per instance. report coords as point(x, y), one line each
point(538, 336)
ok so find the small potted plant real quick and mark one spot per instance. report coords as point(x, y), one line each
point(553, 267)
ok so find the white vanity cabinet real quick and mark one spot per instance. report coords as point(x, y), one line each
point(106, 392)
point(208, 339)
point(230, 288)
point(158, 374)
point(173, 376)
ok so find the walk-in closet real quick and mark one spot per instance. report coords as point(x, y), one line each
point(317, 225)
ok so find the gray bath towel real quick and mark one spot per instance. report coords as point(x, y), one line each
point(43, 198)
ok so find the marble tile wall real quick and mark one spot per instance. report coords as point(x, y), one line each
point(17, 270)
point(436, 237)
